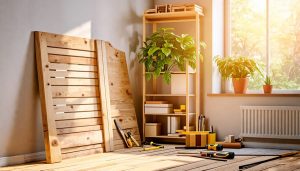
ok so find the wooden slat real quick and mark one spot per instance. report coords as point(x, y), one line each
point(69, 42)
point(78, 122)
point(82, 153)
point(75, 91)
point(73, 81)
point(72, 60)
point(80, 139)
point(73, 67)
point(70, 52)
point(79, 129)
point(77, 115)
point(105, 98)
point(72, 74)
point(87, 100)
point(81, 148)
point(52, 146)
point(77, 108)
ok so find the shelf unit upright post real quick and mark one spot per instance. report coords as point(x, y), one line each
point(175, 17)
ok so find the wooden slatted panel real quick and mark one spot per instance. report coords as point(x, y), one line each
point(121, 101)
point(72, 113)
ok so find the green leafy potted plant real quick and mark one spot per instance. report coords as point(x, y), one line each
point(164, 50)
point(268, 85)
point(239, 69)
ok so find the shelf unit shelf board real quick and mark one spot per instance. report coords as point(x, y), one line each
point(168, 95)
point(166, 137)
point(170, 114)
point(176, 72)
point(172, 16)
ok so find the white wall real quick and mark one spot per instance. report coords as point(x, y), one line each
point(222, 112)
point(118, 21)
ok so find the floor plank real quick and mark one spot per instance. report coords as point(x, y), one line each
point(162, 159)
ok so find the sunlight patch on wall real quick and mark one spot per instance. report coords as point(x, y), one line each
point(83, 30)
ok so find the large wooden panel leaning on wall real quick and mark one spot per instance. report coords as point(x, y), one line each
point(73, 82)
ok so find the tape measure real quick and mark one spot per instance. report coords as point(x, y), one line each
point(214, 147)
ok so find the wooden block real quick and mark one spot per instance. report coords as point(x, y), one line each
point(203, 140)
point(75, 91)
point(192, 140)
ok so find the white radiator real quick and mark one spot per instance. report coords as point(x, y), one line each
point(270, 122)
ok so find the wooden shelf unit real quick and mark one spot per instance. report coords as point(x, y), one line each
point(175, 17)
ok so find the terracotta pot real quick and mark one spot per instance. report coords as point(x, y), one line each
point(268, 89)
point(240, 85)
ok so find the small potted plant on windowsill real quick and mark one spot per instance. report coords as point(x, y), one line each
point(163, 50)
point(239, 69)
point(268, 85)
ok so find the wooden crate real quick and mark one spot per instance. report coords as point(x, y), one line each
point(74, 109)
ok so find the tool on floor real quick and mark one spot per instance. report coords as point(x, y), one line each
point(153, 146)
point(217, 154)
point(123, 135)
point(247, 166)
point(210, 158)
point(212, 147)
point(126, 136)
point(236, 145)
point(129, 134)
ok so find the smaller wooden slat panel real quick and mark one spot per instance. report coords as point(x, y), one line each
point(122, 106)
point(73, 81)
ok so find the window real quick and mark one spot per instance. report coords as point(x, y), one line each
point(269, 31)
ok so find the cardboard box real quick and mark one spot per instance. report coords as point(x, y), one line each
point(158, 108)
point(173, 124)
point(152, 129)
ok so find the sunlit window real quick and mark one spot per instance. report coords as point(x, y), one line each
point(277, 48)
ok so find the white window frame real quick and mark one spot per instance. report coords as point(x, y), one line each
point(226, 85)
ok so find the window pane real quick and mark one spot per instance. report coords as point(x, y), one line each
point(248, 33)
point(285, 43)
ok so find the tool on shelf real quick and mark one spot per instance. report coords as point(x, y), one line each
point(126, 136)
point(147, 146)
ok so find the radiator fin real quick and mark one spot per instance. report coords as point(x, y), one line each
point(270, 122)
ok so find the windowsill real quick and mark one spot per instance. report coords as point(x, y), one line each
point(252, 95)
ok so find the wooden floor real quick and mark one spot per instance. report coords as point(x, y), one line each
point(164, 159)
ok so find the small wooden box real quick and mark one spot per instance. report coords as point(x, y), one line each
point(152, 129)
point(158, 108)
